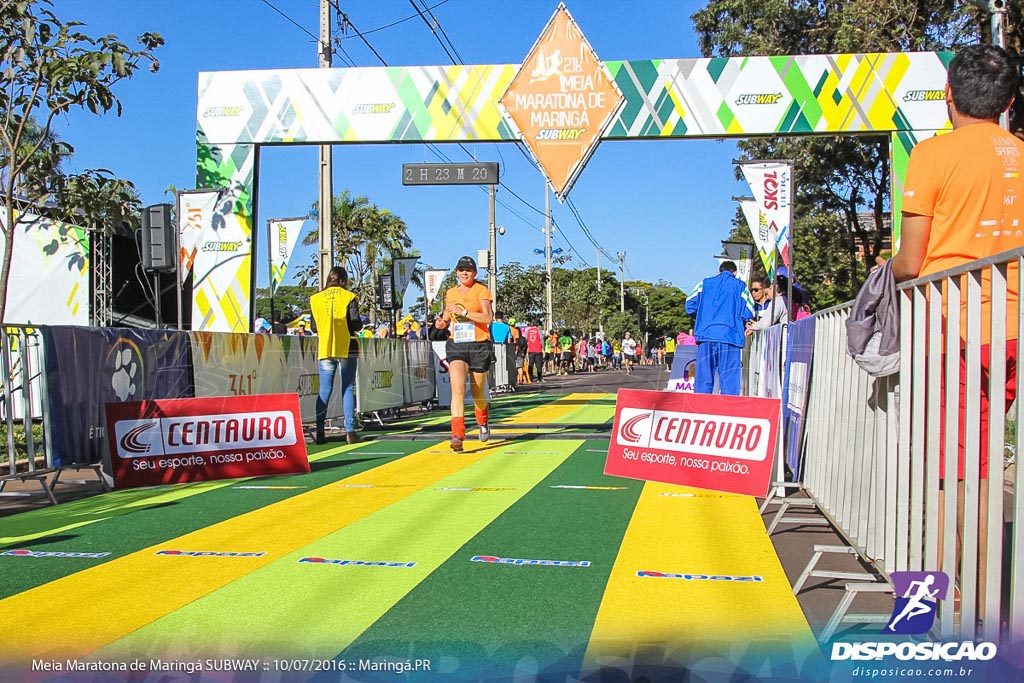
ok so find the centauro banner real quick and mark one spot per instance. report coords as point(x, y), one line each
point(282, 235)
point(723, 443)
point(772, 185)
point(198, 439)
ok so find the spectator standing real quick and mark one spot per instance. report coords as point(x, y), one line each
point(963, 200)
point(501, 332)
point(534, 351)
point(774, 309)
point(335, 312)
point(670, 351)
point(722, 306)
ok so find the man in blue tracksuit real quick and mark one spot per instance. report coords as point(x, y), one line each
point(722, 305)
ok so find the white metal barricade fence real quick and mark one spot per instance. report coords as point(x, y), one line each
point(872, 451)
point(22, 409)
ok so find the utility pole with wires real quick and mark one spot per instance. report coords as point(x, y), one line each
point(622, 282)
point(326, 161)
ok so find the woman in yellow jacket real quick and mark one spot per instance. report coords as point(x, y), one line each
point(336, 315)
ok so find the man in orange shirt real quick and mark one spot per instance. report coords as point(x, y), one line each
point(963, 200)
point(469, 312)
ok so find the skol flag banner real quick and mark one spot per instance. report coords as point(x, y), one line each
point(432, 282)
point(195, 212)
point(284, 232)
point(403, 268)
point(722, 443)
point(772, 185)
point(763, 241)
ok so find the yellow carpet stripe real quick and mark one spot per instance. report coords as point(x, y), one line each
point(141, 587)
point(710, 536)
point(550, 412)
point(318, 610)
point(123, 501)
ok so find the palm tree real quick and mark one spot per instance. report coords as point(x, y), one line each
point(347, 216)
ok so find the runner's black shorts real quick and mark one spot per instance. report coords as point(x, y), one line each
point(479, 356)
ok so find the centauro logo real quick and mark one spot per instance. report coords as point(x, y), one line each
point(560, 133)
point(131, 443)
point(217, 112)
point(202, 433)
point(222, 246)
point(759, 98)
point(382, 379)
point(374, 108)
point(730, 436)
point(924, 96)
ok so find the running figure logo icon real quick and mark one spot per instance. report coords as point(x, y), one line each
point(917, 596)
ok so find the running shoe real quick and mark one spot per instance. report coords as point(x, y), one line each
point(456, 444)
point(485, 433)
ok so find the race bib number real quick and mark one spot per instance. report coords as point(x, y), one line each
point(464, 332)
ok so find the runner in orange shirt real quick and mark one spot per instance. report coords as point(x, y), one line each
point(469, 312)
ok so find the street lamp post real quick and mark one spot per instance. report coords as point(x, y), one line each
point(547, 250)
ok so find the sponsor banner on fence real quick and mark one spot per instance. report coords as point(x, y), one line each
point(222, 269)
point(418, 373)
point(379, 383)
point(180, 440)
point(722, 443)
point(87, 368)
point(799, 356)
point(244, 364)
point(684, 369)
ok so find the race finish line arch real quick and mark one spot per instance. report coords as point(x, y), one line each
point(561, 102)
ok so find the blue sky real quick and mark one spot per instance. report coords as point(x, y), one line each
point(667, 204)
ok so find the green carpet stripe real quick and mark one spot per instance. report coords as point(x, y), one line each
point(144, 523)
point(598, 410)
point(17, 529)
point(464, 611)
point(318, 609)
point(502, 407)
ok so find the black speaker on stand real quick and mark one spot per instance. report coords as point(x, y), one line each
point(159, 249)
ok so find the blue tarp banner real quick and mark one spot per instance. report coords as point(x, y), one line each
point(799, 355)
point(89, 367)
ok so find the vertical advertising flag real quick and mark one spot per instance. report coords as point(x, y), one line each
point(763, 241)
point(432, 280)
point(195, 212)
point(222, 270)
point(772, 185)
point(402, 269)
point(281, 238)
point(739, 253)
